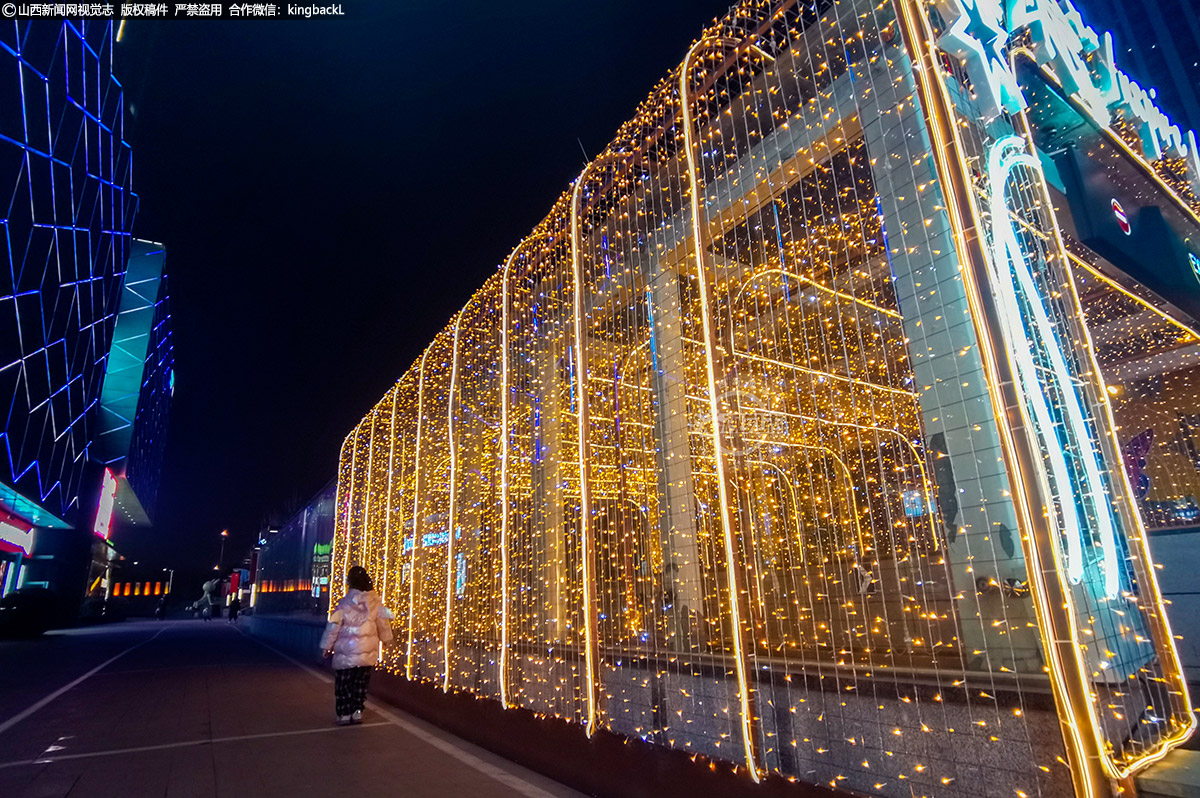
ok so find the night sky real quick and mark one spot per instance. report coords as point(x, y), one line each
point(330, 192)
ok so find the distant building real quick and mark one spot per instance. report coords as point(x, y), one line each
point(138, 383)
point(86, 357)
point(291, 573)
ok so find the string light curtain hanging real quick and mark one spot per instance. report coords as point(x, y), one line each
point(718, 458)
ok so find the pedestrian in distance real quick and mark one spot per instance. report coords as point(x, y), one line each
point(358, 626)
point(235, 606)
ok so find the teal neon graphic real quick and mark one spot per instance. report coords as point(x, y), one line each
point(1042, 371)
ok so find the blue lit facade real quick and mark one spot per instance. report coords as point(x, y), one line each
point(136, 392)
point(66, 214)
point(66, 226)
point(292, 572)
point(147, 445)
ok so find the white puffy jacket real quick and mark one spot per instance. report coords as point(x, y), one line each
point(356, 627)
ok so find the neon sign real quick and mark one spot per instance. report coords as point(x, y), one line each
point(1079, 59)
point(104, 511)
point(1083, 63)
point(975, 34)
point(1013, 281)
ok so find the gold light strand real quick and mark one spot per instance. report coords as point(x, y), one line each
point(585, 500)
point(505, 434)
point(412, 570)
point(748, 720)
point(387, 521)
point(452, 445)
point(341, 536)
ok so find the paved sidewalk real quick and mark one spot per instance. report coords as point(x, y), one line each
point(189, 708)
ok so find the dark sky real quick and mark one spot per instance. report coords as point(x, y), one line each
point(330, 192)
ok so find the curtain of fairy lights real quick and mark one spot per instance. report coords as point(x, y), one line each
point(1150, 362)
point(1134, 701)
point(393, 580)
point(711, 459)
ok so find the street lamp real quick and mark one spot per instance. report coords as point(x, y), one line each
point(170, 579)
point(221, 559)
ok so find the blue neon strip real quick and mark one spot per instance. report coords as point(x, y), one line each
point(653, 336)
point(571, 374)
point(439, 538)
point(787, 291)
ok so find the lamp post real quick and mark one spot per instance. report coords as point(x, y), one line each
point(221, 558)
point(170, 579)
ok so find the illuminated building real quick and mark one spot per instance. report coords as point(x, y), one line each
point(86, 355)
point(138, 383)
point(292, 562)
point(792, 435)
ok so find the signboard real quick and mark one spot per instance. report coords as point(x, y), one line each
point(1119, 221)
point(322, 560)
point(104, 510)
point(15, 539)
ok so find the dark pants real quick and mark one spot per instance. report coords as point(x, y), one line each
point(350, 689)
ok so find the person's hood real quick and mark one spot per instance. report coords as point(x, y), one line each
point(361, 599)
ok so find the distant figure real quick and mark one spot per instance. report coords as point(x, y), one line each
point(357, 627)
point(160, 611)
point(235, 606)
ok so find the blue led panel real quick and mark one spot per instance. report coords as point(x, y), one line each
point(144, 463)
point(66, 207)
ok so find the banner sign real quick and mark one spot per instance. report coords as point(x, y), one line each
point(1074, 54)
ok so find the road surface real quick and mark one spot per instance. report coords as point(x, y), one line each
point(188, 708)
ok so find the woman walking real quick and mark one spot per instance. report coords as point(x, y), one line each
point(357, 627)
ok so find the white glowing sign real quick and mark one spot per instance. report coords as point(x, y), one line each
point(21, 538)
point(1061, 423)
point(975, 34)
point(1079, 58)
point(1083, 62)
point(104, 512)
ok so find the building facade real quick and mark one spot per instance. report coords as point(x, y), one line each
point(86, 351)
point(806, 431)
point(292, 564)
